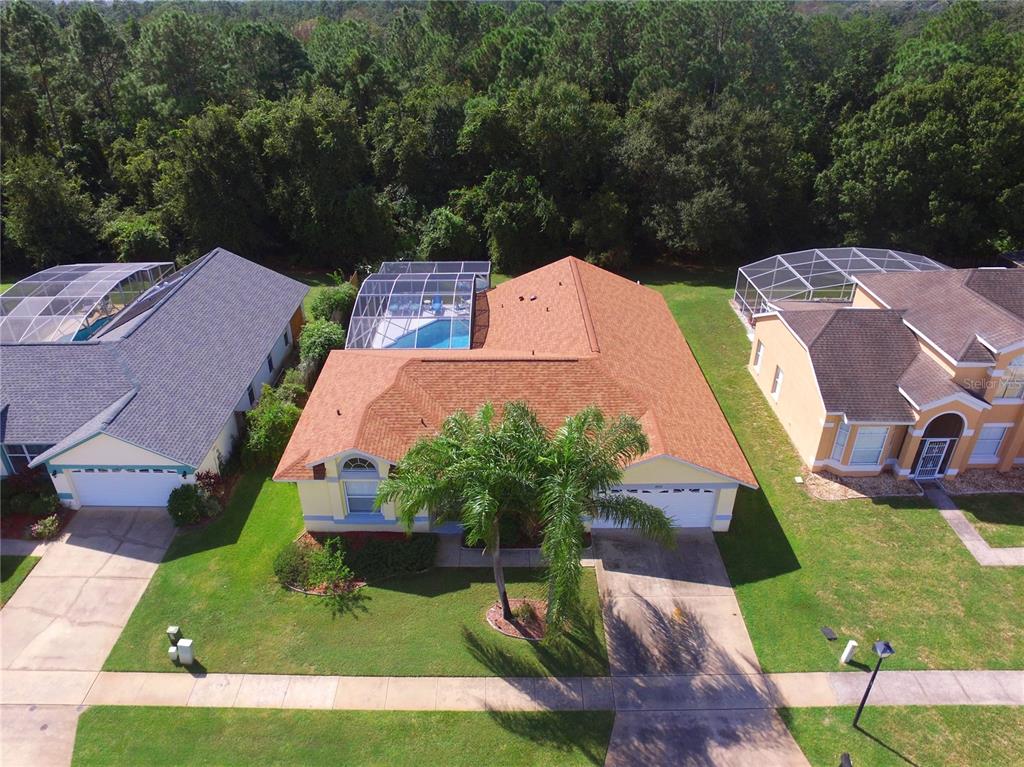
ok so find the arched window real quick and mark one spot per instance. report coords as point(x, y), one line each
point(358, 464)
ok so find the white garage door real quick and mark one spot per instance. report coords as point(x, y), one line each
point(685, 506)
point(125, 487)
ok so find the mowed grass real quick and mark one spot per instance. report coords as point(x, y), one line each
point(999, 518)
point(113, 735)
point(891, 736)
point(218, 584)
point(870, 570)
point(13, 570)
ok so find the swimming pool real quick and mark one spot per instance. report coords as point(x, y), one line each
point(439, 334)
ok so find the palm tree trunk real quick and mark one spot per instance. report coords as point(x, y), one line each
point(499, 577)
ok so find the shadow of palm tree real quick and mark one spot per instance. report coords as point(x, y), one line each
point(549, 729)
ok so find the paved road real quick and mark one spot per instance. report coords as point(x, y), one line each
point(673, 612)
point(67, 615)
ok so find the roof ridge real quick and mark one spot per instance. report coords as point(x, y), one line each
point(174, 288)
point(366, 410)
point(581, 294)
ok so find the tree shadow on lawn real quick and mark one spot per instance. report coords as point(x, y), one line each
point(756, 547)
point(576, 650)
point(549, 729)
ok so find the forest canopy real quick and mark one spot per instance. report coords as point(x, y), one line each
point(335, 135)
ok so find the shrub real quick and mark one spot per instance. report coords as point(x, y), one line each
point(43, 505)
point(372, 557)
point(327, 565)
point(291, 565)
point(186, 505)
point(334, 303)
point(317, 340)
point(18, 504)
point(46, 527)
point(269, 425)
point(213, 486)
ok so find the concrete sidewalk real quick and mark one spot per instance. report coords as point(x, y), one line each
point(986, 555)
point(676, 692)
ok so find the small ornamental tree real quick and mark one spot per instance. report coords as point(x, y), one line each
point(334, 303)
point(317, 339)
point(270, 424)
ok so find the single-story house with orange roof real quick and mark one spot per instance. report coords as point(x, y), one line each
point(563, 337)
point(912, 368)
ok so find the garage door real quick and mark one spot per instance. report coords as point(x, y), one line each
point(124, 487)
point(685, 506)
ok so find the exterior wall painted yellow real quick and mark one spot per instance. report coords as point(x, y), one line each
point(799, 407)
point(863, 300)
point(664, 470)
point(103, 450)
point(324, 506)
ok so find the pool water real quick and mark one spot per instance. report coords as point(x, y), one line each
point(439, 334)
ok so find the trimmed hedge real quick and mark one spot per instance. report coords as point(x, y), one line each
point(373, 557)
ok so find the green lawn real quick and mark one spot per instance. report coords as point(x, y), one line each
point(998, 518)
point(13, 570)
point(869, 570)
point(178, 737)
point(974, 736)
point(218, 585)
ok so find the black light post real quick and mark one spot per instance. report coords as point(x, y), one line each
point(883, 650)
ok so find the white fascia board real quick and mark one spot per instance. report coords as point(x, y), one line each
point(340, 453)
point(965, 399)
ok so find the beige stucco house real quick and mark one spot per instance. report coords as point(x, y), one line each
point(916, 371)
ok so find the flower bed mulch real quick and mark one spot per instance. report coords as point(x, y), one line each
point(525, 542)
point(324, 589)
point(985, 481)
point(532, 628)
point(18, 526)
point(826, 486)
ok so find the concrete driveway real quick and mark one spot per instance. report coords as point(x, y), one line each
point(71, 608)
point(673, 612)
point(670, 611)
point(60, 625)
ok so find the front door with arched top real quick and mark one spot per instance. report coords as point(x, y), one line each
point(937, 445)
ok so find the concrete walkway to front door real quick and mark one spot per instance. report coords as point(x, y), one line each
point(70, 610)
point(673, 623)
point(987, 556)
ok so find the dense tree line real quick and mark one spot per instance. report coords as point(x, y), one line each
point(621, 132)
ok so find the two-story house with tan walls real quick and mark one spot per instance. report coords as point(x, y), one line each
point(915, 370)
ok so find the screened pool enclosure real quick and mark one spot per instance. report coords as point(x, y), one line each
point(72, 302)
point(417, 305)
point(821, 274)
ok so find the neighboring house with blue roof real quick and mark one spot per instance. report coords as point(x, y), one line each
point(132, 397)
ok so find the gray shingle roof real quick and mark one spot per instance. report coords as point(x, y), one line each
point(859, 356)
point(954, 308)
point(190, 361)
point(48, 391)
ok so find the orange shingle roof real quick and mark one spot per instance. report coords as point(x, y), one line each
point(563, 337)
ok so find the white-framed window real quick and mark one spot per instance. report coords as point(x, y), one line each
point(777, 383)
point(986, 447)
point(867, 448)
point(252, 395)
point(758, 356)
point(839, 446)
point(361, 495)
point(359, 464)
point(21, 455)
point(287, 340)
point(1012, 384)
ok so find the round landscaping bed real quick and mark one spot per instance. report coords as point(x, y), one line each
point(529, 619)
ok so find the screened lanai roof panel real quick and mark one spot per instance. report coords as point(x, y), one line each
point(417, 305)
point(818, 274)
point(69, 302)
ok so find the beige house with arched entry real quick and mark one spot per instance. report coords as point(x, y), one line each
point(919, 372)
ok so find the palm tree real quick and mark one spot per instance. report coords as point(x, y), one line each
point(474, 471)
point(584, 459)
